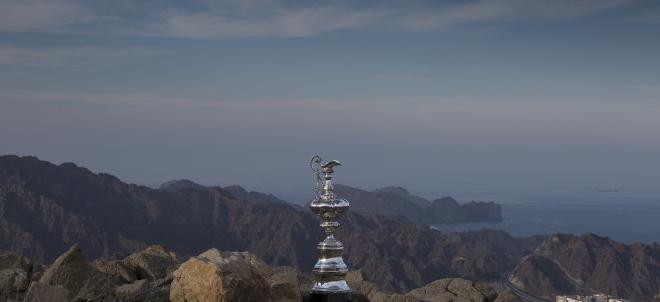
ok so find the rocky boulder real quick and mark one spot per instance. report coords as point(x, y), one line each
point(15, 274)
point(216, 276)
point(152, 263)
point(443, 290)
point(508, 296)
point(82, 281)
point(43, 292)
point(448, 290)
point(123, 273)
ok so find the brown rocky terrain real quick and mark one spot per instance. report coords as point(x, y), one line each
point(156, 275)
point(567, 264)
point(45, 208)
point(397, 201)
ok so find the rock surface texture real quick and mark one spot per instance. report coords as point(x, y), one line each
point(15, 274)
point(82, 281)
point(215, 276)
point(443, 290)
point(567, 264)
point(218, 277)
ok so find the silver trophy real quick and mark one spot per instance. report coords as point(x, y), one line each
point(330, 270)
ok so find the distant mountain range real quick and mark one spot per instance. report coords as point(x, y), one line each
point(397, 201)
point(237, 191)
point(46, 208)
point(389, 201)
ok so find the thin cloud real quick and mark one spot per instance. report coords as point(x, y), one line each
point(301, 22)
point(235, 19)
point(12, 55)
point(652, 16)
point(29, 15)
point(499, 11)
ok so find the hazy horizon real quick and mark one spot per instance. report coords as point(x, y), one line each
point(417, 94)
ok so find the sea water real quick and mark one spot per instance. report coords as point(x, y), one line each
point(624, 214)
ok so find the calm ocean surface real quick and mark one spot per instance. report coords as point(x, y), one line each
point(623, 214)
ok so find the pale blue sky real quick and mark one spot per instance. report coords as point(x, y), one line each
point(410, 92)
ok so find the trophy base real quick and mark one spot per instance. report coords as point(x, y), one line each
point(328, 297)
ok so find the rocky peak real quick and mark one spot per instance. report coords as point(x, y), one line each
point(242, 194)
point(173, 186)
point(403, 193)
point(394, 190)
point(446, 202)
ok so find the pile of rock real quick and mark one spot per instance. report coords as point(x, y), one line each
point(156, 275)
point(142, 276)
point(15, 276)
point(443, 290)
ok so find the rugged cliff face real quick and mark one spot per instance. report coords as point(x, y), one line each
point(397, 201)
point(46, 208)
point(588, 264)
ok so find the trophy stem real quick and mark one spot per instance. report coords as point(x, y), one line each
point(330, 270)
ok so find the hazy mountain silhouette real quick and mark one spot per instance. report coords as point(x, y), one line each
point(397, 201)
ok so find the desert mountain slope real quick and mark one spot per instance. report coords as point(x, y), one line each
point(45, 208)
point(590, 264)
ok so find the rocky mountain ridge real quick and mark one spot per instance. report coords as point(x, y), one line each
point(46, 208)
point(237, 191)
point(388, 201)
point(397, 201)
point(590, 264)
point(157, 275)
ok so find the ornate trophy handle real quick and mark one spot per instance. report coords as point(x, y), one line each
point(315, 164)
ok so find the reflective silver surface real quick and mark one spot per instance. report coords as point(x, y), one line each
point(330, 270)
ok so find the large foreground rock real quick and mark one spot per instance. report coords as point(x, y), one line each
point(122, 273)
point(508, 296)
point(210, 277)
point(81, 280)
point(151, 263)
point(15, 274)
point(443, 290)
point(43, 292)
point(216, 276)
